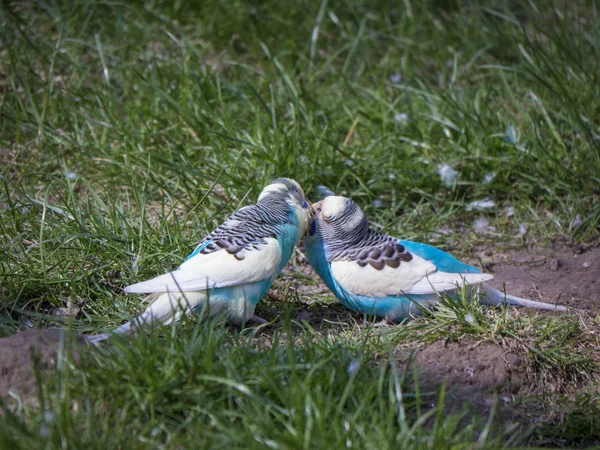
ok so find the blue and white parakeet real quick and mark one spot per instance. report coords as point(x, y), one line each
point(233, 267)
point(380, 275)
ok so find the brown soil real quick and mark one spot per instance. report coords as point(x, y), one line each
point(475, 373)
point(567, 276)
point(471, 369)
point(19, 354)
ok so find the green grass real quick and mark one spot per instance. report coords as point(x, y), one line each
point(128, 130)
point(208, 387)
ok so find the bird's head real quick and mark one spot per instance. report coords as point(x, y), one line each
point(338, 219)
point(290, 192)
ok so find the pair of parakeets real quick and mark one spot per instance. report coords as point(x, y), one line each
point(369, 272)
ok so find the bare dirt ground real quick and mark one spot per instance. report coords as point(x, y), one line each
point(567, 276)
point(471, 367)
point(19, 355)
point(478, 375)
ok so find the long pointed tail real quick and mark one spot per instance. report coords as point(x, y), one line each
point(126, 329)
point(164, 308)
point(96, 339)
point(496, 297)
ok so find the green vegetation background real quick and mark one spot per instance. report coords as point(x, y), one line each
point(130, 129)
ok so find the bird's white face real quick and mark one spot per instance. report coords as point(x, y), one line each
point(336, 217)
point(301, 206)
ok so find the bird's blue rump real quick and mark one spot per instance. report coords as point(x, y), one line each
point(443, 261)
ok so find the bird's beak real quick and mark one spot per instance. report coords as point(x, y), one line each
point(316, 207)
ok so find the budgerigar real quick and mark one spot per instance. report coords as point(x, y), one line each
point(380, 275)
point(233, 266)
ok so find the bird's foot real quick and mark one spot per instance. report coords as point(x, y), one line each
point(382, 323)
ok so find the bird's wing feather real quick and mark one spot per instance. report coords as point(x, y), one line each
point(439, 282)
point(384, 267)
point(369, 281)
point(217, 269)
